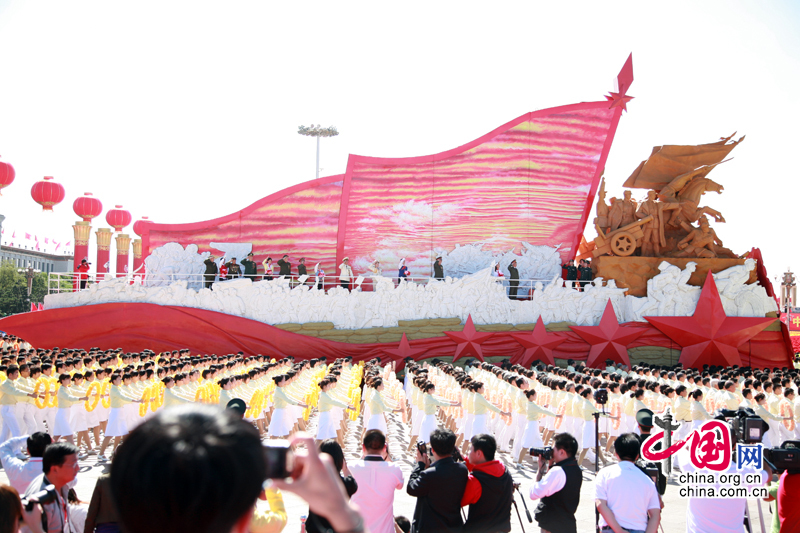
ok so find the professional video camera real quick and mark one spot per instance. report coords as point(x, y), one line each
point(545, 453)
point(601, 396)
point(786, 457)
point(43, 497)
point(748, 428)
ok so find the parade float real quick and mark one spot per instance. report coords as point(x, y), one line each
point(664, 288)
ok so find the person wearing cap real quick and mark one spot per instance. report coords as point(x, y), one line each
point(301, 267)
point(644, 417)
point(211, 272)
point(250, 267)
point(234, 269)
point(513, 280)
point(345, 273)
point(438, 269)
point(82, 270)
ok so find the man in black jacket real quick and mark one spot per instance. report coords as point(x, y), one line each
point(572, 272)
point(286, 266)
point(250, 268)
point(559, 490)
point(438, 487)
point(438, 269)
point(211, 271)
point(513, 280)
point(490, 489)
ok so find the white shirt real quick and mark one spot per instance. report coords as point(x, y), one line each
point(377, 481)
point(629, 494)
point(552, 482)
point(20, 473)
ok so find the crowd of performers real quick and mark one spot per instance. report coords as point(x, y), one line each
point(79, 395)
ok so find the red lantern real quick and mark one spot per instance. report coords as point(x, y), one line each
point(6, 175)
point(47, 193)
point(87, 207)
point(138, 226)
point(118, 218)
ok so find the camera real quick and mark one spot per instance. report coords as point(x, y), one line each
point(787, 457)
point(422, 447)
point(748, 428)
point(279, 459)
point(601, 396)
point(545, 453)
point(43, 497)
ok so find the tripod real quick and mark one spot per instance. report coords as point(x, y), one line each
point(527, 513)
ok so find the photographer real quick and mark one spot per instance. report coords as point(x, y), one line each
point(644, 418)
point(12, 513)
point(490, 489)
point(560, 488)
point(438, 486)
point(626, 498)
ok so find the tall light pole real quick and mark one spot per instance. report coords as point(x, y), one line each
point(318, 131)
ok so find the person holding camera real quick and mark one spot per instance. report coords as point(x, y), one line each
point(625, 497)
point(558, 485)
point(490, 489)
point(438, 486)
point(377, 479)
point(13, 514)
point(59, 468)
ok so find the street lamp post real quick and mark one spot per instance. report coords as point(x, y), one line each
point(318, 131)
point(30, 273)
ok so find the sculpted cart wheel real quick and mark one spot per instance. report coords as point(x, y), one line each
point(623, 244)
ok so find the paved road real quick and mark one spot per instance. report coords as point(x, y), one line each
point(673, 516)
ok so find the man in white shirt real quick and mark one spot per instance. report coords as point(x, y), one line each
point(625, 497)
point(21, 473)
point(377, 480)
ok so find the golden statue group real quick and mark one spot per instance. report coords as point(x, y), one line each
point(670, 222)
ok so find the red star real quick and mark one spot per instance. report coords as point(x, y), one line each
point(619, 99)
point(709, 336)
point(403, 351)
point(469, 341)
point(538, 345)
point(609, 340)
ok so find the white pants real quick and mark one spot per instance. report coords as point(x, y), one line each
point(25, 413)
point(10, 424)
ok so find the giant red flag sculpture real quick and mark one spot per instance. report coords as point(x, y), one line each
point(47, 193)
point(469, 341)
point(608, 340)
point(709, 336)
point(538, 345)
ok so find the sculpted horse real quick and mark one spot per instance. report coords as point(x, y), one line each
point(687, 191)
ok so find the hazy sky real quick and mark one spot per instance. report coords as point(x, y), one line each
point(185, 111)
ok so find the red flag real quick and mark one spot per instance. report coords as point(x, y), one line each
point(33, 306)
point(46, 240)
point(41, 307)
point(68, 243)
point(28, 236)
point(35, 238)
point(14, 235)
point(57, 245)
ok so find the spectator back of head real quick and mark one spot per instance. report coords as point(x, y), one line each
point(38, 442)
point(443, 442)
point(374, 441)
point(332, 448)
point(189, 469)
point(627, 446)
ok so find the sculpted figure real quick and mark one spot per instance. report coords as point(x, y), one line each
point(654, 239)
point(628, 209)
point(615, 214)
point(703, 242)
point(601, 221)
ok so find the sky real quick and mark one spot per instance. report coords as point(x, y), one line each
point(186, 111)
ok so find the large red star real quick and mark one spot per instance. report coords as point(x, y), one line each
point(469, 341)
point(609, 340)
point(538, 345)
point(619, 99)
point(403, 351)
point(709, 336)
